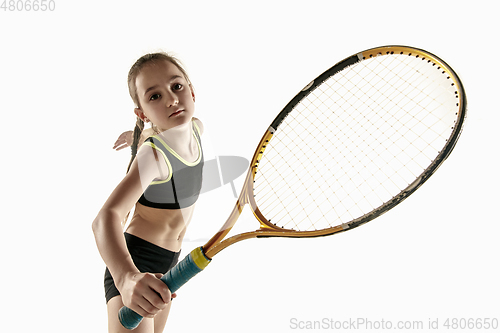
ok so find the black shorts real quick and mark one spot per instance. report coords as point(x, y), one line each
point(147, 257)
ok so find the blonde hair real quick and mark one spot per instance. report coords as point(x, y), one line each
point(135, 70)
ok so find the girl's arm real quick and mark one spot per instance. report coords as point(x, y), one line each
point(126, 138)
point(137, 289)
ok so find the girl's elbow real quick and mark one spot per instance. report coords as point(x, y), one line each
point(103, 220)
point(96, 225)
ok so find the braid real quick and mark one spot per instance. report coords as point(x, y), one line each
point(139, 127)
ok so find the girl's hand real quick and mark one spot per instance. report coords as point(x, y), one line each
point(124, 140)
point(145, 293)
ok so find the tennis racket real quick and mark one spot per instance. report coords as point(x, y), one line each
point(351, 145)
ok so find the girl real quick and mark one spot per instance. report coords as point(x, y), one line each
point(163, 182)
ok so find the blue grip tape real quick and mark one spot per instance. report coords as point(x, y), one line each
point(175, 278)
point(180, 274)
point(129, 318)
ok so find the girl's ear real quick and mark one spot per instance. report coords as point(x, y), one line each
point(138, 112)
point(192, 93)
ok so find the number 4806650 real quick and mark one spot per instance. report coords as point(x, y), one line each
point(28, 5)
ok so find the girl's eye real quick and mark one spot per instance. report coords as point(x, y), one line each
point(177, 86)
point(154, 97)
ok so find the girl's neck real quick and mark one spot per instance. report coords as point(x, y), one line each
point(179, 135)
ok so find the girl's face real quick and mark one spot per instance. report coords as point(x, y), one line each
point(165, 96)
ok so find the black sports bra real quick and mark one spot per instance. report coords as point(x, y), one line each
point(182, 188)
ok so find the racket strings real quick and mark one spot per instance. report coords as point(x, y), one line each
point(355, 142)
point(296, 178)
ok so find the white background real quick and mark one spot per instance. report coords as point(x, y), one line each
point(64, 101)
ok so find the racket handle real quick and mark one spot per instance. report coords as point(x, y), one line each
point(175, 278)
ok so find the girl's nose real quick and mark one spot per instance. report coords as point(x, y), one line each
point(172, 100)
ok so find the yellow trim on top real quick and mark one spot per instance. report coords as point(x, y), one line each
point(156, 182)
point(173, 152)
point(197, 128)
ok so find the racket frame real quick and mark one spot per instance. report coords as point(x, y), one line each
point(267, 229)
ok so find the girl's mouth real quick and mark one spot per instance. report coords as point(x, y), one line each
point(176, 113)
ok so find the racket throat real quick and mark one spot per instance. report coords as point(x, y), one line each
point(226, 228)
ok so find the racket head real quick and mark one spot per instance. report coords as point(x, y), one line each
point(355, 142)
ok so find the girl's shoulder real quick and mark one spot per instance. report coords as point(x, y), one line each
point(199, 125)
point(146, 134)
